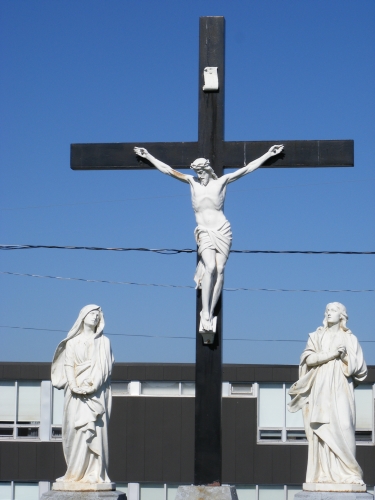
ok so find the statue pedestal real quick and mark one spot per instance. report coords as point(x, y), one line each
point(83, 495)
point(333, 491)
point(69, 486)
point(206, 493)
point(83, 491)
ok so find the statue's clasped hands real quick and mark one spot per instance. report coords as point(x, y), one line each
point(86, 388)
point(341, 352)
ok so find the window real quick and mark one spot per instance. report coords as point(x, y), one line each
point(277, 424)
point(57, 413)
point(122, 487)
point(364, 409)
point(120, 389)
point(166, 388)
point(241, 389)
point(247, 492)
point(19, 491)
point(271, 492)
point(152, 492)
point(20, 410)
point(153, 388)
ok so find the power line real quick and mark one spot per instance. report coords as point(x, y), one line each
point(241, 289)
point(173, 251)
point(163, 336)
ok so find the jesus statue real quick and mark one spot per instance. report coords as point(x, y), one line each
point(213, 232)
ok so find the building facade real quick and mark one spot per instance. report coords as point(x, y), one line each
point(151, 434)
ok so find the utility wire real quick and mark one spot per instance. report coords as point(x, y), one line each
point(173, 251)
point(162, 336)
point(241, 289)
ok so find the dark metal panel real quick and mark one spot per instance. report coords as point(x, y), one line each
point(45, 461)
point(172, 372)
point(263, 373)
point(117, 439)
point(298, 464)
point(281, 464)
point(135, 438)
point(25, 371)
point(294, 373)
point(366, 459)
point(281, 374)
point(171, 446)
point(245, 415)
point(137, 372)
point(120, 372)
point(153, 425)
point(188, 372)
point(245, 373)
point(154, 372)
point(187, 440)
point(60, 464)
point(229, 426)
point(44, 371)
point(29, 371)
point(229, 373)
point(9, 461)
point(112, 156)
point(27, 461)
point(371, 375)
point(336, 153)
point(12, 371)
point(263, 464)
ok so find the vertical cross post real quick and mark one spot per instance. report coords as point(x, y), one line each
point(208, 368)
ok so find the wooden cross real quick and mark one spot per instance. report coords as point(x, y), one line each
point(222, 154)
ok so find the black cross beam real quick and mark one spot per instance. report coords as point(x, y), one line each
point(222, 154)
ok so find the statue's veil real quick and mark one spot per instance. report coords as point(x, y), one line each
point(57, 371)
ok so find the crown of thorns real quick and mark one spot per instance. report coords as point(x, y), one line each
point(200, 163)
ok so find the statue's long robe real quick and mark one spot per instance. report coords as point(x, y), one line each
point(86, 418)
point(326, 395)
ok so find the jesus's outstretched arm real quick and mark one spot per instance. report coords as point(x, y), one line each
point(162, 167)
point(234, 176)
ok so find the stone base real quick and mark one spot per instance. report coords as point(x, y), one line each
point(206, 493)
point(341, 487)
point(70, 486)
point(335, 495)
point(83, 495)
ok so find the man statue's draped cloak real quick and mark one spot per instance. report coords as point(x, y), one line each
point(325, 393)
point(219, 239)
point(86, 417)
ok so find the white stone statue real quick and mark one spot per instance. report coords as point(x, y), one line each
point(82, 365)
point(332, 364)
point(213, 232)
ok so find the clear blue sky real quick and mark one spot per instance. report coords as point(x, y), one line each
point(118, 71)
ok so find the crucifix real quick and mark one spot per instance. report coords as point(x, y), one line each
point(221, 154)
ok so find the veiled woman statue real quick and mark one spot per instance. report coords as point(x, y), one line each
point(331, 366)
point(82, 366)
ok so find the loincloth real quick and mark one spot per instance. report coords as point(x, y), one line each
point(219, 239)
